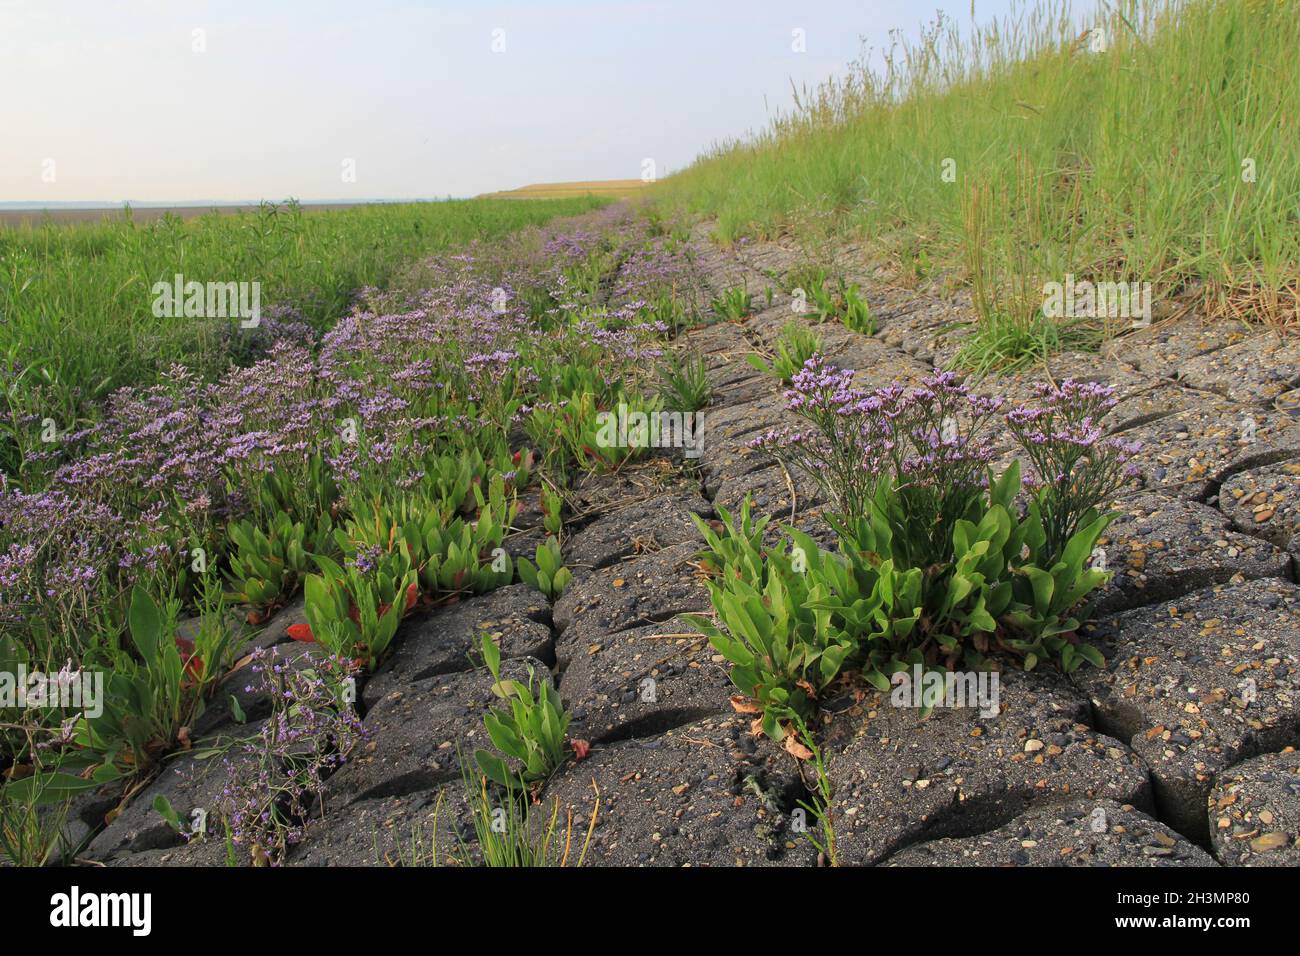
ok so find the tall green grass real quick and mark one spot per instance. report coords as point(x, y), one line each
point(76, 306)
point(1125, 163)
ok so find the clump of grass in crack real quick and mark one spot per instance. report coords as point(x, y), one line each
point(839, 301)
point(32, 829)
point(733, 305)
point(797, 344)
point(684, 384)
point(512, 833)
point(548, 575)
point(806, 275)
point(509, 831)
point(531, 731)
point(856, 313)
point(819, 802)
point(1005, 344)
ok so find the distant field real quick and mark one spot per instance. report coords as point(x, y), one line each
point(614, 188)
point(67, 214)
point(77, 310)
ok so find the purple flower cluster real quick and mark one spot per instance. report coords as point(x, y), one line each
point(367, 559)
point(648, 273)
point(1074, 467)
point(930, 439)
point(931, 446)
point(62, 557)
point(277, 777)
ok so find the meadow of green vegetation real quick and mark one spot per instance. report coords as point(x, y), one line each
point(362, 480)
point(1161, 145)
point(76, 316)
point(377, 469)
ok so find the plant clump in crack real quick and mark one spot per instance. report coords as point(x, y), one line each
point(940, 562)
point(279, 777)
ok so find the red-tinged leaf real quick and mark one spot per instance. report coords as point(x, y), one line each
point(191, 662)
point(581, 748)
point(301, 632)
point(356, 615)
point(412, 595)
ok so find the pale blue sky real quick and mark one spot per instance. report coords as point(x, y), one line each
point(115, 95)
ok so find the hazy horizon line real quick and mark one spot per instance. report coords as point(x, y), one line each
point(201, 203)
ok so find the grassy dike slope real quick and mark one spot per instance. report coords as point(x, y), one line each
point(1162, 148)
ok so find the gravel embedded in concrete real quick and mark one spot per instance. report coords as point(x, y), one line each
point(1199, 683)
point(1255, 811)
point(1078, 833)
